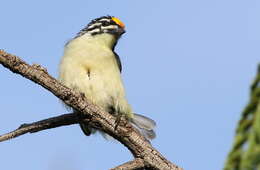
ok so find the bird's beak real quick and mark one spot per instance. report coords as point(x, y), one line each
point(121, 31)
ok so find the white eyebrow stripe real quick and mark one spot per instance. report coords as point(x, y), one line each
point(94, 31)
point(104, 19)
point(93, 25)
point(109, 27)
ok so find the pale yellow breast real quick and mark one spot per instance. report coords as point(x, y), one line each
point(90, 67)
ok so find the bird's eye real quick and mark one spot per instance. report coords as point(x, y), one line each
point(106, 23)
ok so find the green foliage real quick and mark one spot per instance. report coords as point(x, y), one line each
point(245, 152)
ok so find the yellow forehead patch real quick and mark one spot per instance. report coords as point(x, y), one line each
point(118, 22)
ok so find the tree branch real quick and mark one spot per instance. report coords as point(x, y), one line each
point(66, 119)
point(94, 116)
point(131, 165)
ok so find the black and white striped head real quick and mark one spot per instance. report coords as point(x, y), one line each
point(105, 24)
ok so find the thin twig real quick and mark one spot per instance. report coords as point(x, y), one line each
point(65, 119)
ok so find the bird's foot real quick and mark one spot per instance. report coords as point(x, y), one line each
point(119, 118)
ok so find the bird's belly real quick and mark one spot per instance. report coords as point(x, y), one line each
point(103, 87)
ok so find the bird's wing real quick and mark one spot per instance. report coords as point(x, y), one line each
point(118, 62)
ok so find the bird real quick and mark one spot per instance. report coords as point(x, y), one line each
point(91, 66)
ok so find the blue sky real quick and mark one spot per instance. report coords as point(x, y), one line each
point(186, 64)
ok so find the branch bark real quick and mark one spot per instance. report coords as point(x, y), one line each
point(65, 119)
point(134, 165)
point(89, 113)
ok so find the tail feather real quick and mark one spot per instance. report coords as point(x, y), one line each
point(145, 125)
